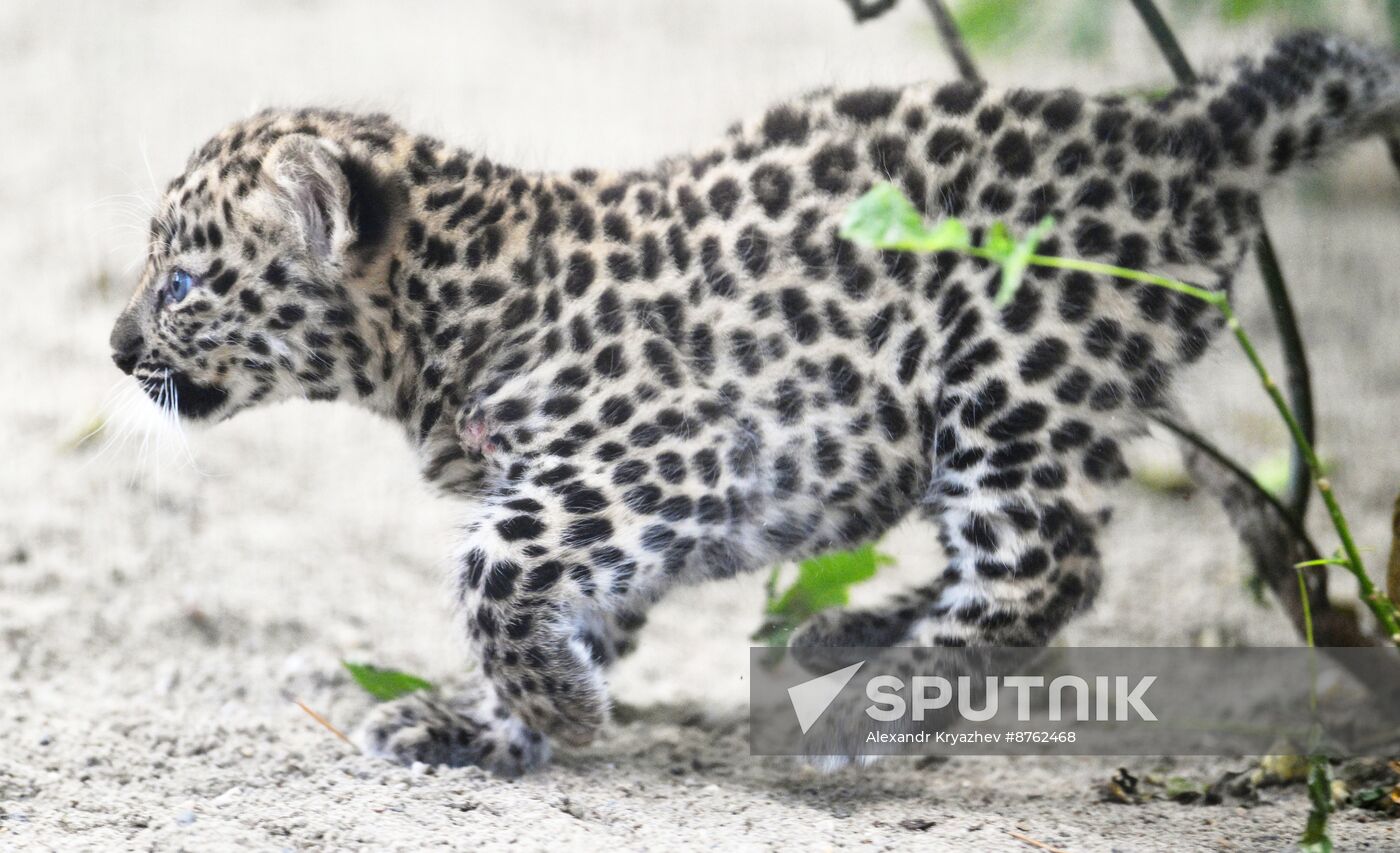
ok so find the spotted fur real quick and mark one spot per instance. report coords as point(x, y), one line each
point(655, 378)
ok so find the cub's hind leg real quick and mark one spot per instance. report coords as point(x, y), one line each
point(1012, 496)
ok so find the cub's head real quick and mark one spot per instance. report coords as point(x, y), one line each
point(265, 272)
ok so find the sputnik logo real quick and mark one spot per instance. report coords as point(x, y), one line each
point(810, 699)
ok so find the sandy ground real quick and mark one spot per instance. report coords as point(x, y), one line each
point(159, 611)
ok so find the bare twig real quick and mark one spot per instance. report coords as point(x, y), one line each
point(1166, 40)
point(1296, 372)
point(1274, 548)
point(953, 40)
point(1041, 845)
point(323, 721)
point(1243, 479)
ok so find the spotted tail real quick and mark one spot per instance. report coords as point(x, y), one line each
point(1304, 97)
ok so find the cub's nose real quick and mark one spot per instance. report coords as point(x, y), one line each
point(127, 343)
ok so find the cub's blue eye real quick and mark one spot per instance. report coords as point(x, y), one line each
point(178, 286)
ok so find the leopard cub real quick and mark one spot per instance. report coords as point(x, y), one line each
point(657, 377)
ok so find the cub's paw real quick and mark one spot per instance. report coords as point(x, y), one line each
point(567, 699)
point(468, 730)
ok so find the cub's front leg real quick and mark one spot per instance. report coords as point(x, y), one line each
point(536, 573)
point(543, 598)
point(564, 551)
point(547, 578)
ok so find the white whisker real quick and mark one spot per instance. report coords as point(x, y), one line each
point(179, 429)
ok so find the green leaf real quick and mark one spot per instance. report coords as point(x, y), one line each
point(884, 219)
point(821, 582)
point(947, 235)
point(825, 581)
point(1236, 11)
point(1291, 12)
point(1271, 473)
point(384, 684)
point(1370, 798)
point(999, 242)
point(987, 23)
point(1014, 267)
point(1181, 787)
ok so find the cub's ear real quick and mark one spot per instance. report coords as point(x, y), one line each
point(305, 173)
point(338, 201)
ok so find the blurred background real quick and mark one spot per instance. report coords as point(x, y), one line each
point(164, 597)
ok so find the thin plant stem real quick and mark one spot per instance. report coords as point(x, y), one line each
point(1296, 370)
point(953, 41)
point(1307, 612)
point(1078, 265)
point(1379, 604)
point(1166, 41)
point(1295, 357)
point(1312, 645)
point(1243, 477)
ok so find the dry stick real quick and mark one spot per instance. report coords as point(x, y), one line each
point(1166, 40)
point(1245, 479)
point(1295, 357)
point(953, 41)
point(323, 721)
point(1034, 843)
point(1275, 548)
